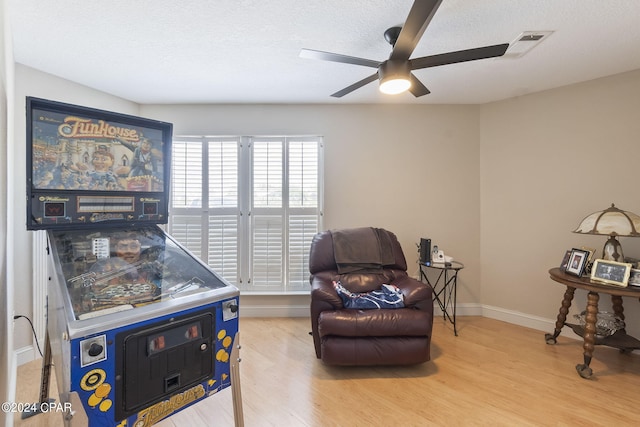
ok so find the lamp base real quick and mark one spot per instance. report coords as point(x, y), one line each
point(612, 250)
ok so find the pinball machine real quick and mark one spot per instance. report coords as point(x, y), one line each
point(138, 328)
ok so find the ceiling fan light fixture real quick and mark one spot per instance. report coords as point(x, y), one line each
point(394, 86)
point(395, 77)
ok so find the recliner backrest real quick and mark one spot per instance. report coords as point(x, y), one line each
point(322, 258)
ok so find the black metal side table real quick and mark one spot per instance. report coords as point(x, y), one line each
point(444, 287)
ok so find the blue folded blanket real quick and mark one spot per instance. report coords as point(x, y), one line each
point(388, 296)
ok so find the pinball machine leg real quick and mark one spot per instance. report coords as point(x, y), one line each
point(235, 382)
point(45, 380)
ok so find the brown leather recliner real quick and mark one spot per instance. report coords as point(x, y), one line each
point(362, 260)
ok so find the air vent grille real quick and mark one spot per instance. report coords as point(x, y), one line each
point(525, 42)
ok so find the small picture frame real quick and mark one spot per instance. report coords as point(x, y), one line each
point(577, 262)
point(591, 252)
point(589, 264)
point(565, 260)
point(634, 277)
point(611, 272)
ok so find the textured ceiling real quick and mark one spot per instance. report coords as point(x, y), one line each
point(246, 51)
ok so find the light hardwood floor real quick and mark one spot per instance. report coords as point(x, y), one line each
point(492, 374)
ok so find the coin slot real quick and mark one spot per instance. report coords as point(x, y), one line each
point(171, 383)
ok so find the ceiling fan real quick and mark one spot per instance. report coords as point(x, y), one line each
point(395, 73)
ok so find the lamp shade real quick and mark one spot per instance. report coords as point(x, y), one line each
point(610, 222)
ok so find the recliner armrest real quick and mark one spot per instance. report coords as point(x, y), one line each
point(416, 293)
point(322, 290)
point(323, 298)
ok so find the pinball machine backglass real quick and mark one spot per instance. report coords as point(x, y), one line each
point(139, 328)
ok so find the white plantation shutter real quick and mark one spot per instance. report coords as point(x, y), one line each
point(205, 212)
point(187, 229)
point(303, 174)
point(186, 175)
point(267, 271)
point(223, 174)
point(267, 174)
point(249, 207)
point(186, 195)
point(302, 228)
point(304, 208)
point(267, 214)
point(223, 246)
point(224, 209)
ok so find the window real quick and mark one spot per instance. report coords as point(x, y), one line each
point(249, 207)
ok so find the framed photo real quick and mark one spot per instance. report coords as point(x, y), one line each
point(577, 261)
point(589, 264)
point(611, 272)
point(634, 277)
point(565, 260)
point(591, 252)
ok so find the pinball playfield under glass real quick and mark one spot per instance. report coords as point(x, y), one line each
point(116, 269)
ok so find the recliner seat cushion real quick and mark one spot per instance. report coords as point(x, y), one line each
point(375, 323)
point(374, 351)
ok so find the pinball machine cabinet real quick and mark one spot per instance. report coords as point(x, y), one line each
point(138, 327)
point(136, 341)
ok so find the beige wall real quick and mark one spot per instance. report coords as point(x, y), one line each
point(411, 169)
point(380, 167)
point(498, 186)
point(547, 160)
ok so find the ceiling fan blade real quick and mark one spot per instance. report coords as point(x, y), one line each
point(417, 88)
point(336, 57)
point(458, 56)
point(357, 85)
point(419, 18)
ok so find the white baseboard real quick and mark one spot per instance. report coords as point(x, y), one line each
point(526, 320)
point(461, 310)
point(274, 311)
point(255, 305)
point(509, 316)
point(25, 355)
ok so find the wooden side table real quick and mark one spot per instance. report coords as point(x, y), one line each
point(620, 339)
point(445, 288)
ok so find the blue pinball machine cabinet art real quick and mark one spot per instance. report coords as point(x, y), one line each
point(138, 328)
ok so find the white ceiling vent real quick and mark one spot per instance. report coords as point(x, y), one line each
point(525, 42)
